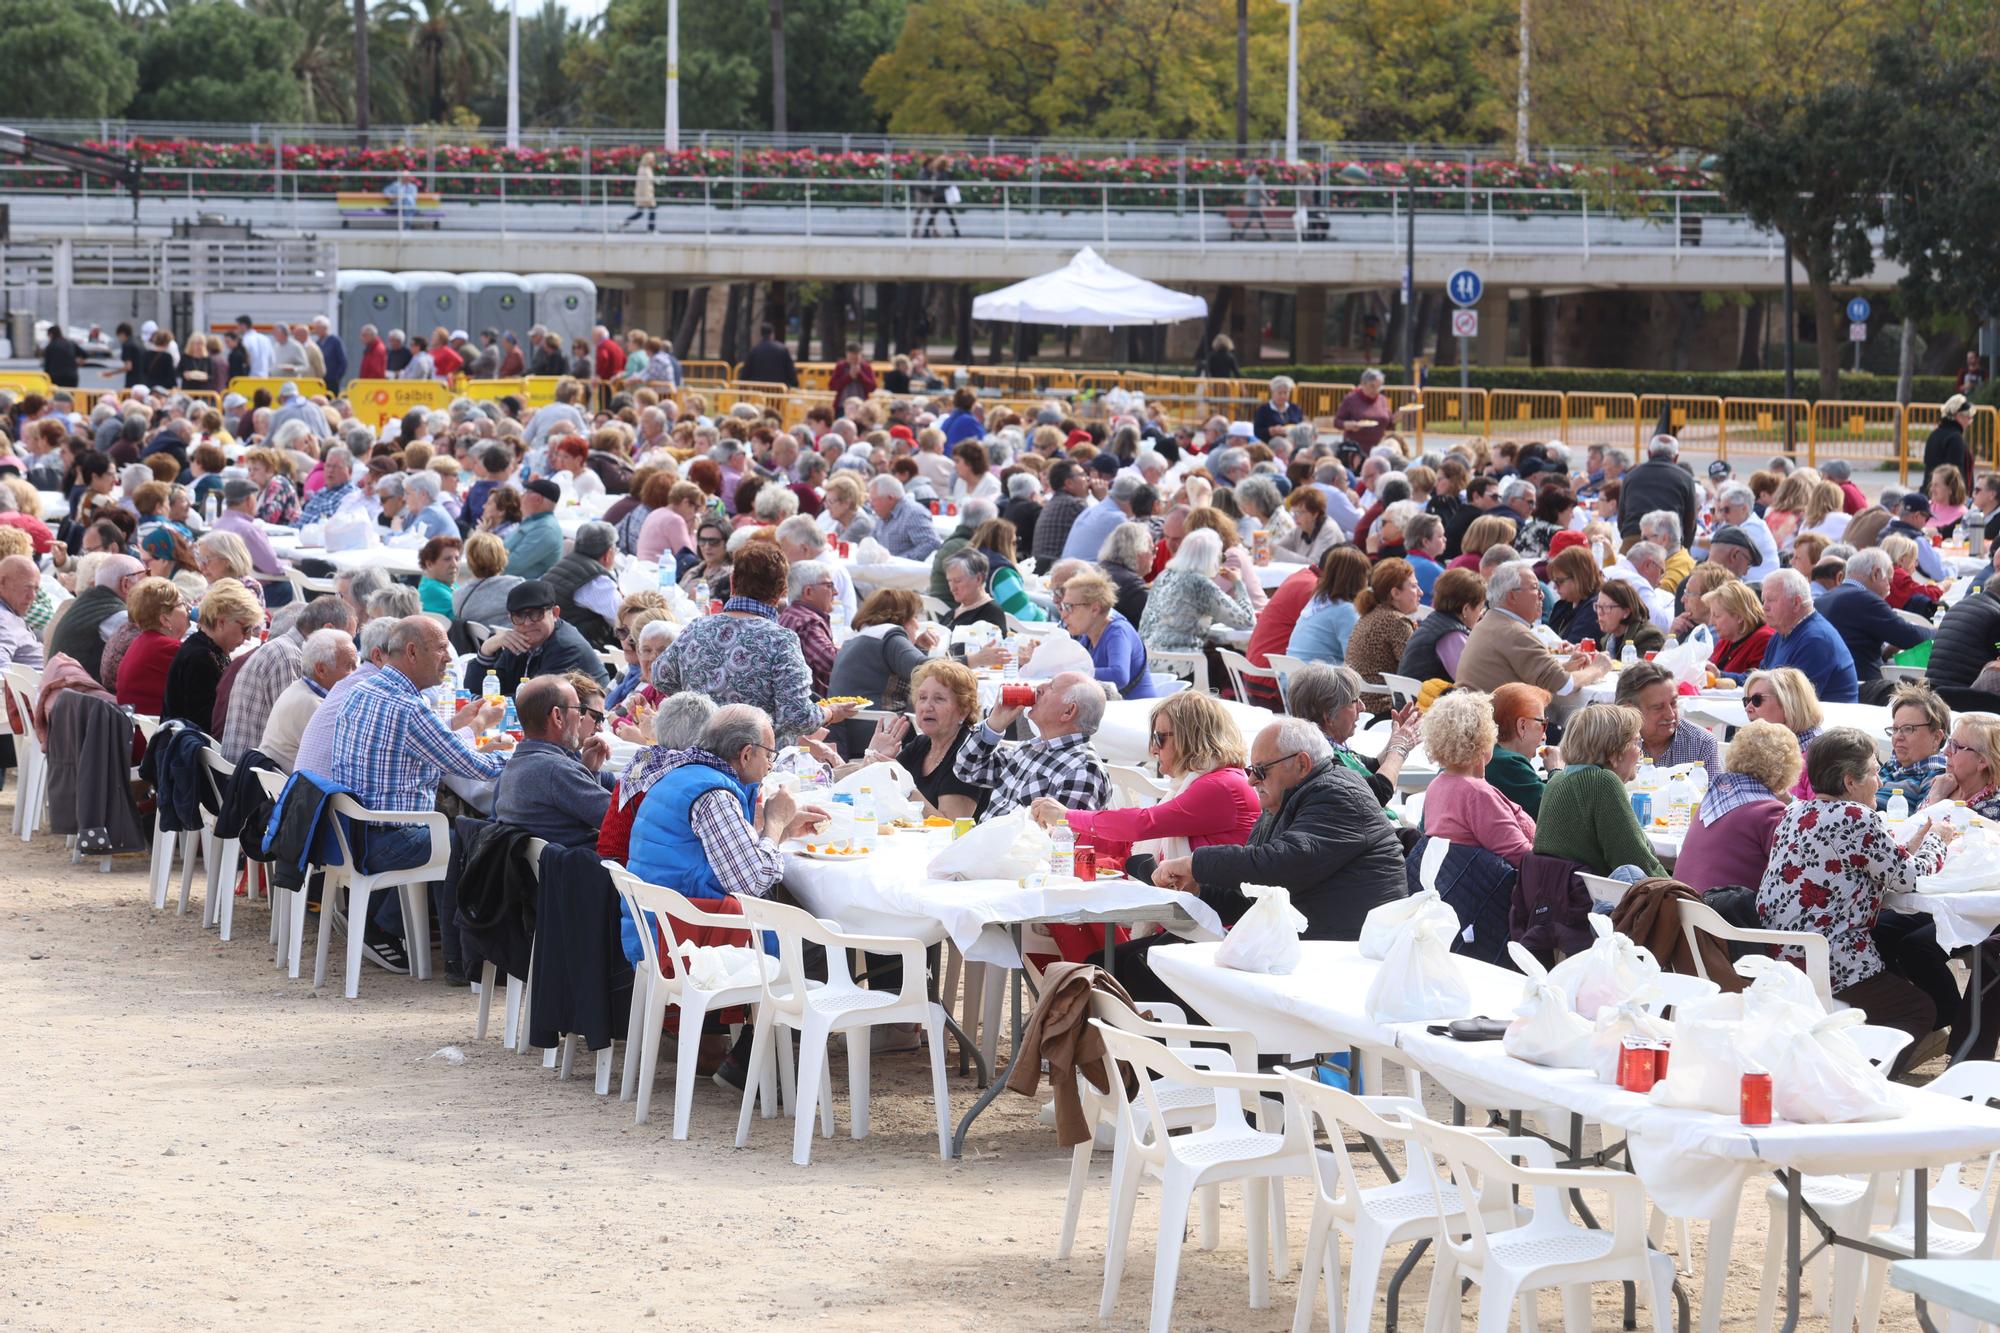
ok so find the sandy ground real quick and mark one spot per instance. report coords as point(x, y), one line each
point(190, 1140)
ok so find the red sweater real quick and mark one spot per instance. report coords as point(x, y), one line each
point(375, 361)
point(1904, 585)
point(1743, 656)
point(142, 672)
point(1280, 617)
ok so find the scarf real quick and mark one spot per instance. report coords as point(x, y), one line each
point(1166, 849)
point(1732, 791)
point(752, 606)
point(650, 765)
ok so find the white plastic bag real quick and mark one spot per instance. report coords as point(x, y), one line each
point(1385, 924)
point(871, 552)
point(1820, 1077)
point(1007, 847)
point(714, 967)
point(878, 778)
point(1779, 992)
point(1265, 938)
point(1545, 1030)
point(1420, 980)
point(1706, 1071)
point(1973, 864)
point(1688, 660)
point(1612, 970)
point(1614, 1024)
point(350, 529)
point(1055, 654)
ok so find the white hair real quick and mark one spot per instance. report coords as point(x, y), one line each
point(1023, 486)
point(682, 718)
point(1645, 551)
point(972, 513)
point(657, 629)
point(1087, 697)
point(1662, 525)
point(801, 530)
point(802, 575)
point(775, 503)
point(1200, 553)
point(1872, 563)
point(1298, 735)
point(421, 488)
point(1505, 581)
point(1664, 446)
point(1735, 493)
point(1786, 582)
point(886, 485)
point(322, 648)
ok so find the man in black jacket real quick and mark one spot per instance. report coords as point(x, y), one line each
point(1966, 639)
point(770, 362)
point(1322, 837)
point(1658, 483)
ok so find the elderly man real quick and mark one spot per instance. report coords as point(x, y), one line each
point(1058, 763)
point(555, 785)
point(263, 675)
point(424, 513)
point(902, 526)
point(540, 643)
point(1321, 837)
point(374, 354)
point(1805, 639)
point(1517, 500)
point(1859, 611)
point(1658, 483)
point(1069, 486)
point(371, 652)
point(239, 515)
point(337, 468)
point(1503, 646)
point(585, 584)
point(1644, 567)
point(1841, 473)
point(292, 407)
point(290, 354)
point(1087, 534)
point(1023, 508)
point(1736, 507)
point(391, 750)
point(81, 627)
point(1736, 551)
point(1662, 528)
point(18, 581)
point(332, 352)
point(971, 515)
point(1665, 737)
point(536, 544)
point(800, 538)
point(808, 614)
point(327, 657)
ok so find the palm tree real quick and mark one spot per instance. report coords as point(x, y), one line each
point(361, 88)
point(324, 65)
point(451, 47)
point(778, 68)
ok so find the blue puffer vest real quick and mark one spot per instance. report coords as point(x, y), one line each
point(664, 847)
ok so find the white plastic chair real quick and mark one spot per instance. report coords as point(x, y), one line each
point(1540, 1247)
point(660, 981)
point(1700, 917)
point(1134, 788)
point(1229, 1149)
point(31, 797)
point(1241, 670)
point(1192, 667)
point(1286, 667)
point(1372, 1219)
point(412, 883)
point(934, 608)
point(1402, 689)
point(818, 1011)
point(1603, 888)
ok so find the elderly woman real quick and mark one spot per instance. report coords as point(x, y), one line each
point(483, 597)
point(501, 513)
point(1329, 697)
point(668, 531)
point(878, 661)
point(1185, 600)
point(965, 574)
point(1586, 815)
point(221, 556)
point(944, 697)
point(1947, 496)
point(439, 562)
point(1833, 863)
point(1577, 578)
point(165, 552)
point(229, 615)
point(1384, 627)
point(1262, 506)
point(1521, 733)
point(1488, 530)
point(742, 655)
point(1117, 654)
point(569, 469)
point(1278, 410)
point(1785, 696)
point(1433, 648)
point(997, 541)
point(1702, 580)
point(159, 614)
point(1460, 805)
point(1234, 554)
point(1971, 766)
point(1126, 558)
point(1312, 534)
point(1731, 835)
point(1624, 618)
point(1330, 616)
point(1362, 418)
point(277, 498)
point(1918, 725)
point(845, 508)
point(974, 478)
point(1785, 516)
point(652, 634)
point(1736, 615)
point(677, 726)
point(712, 564)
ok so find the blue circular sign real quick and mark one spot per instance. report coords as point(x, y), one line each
point(1858, 310)
point(1464, 287)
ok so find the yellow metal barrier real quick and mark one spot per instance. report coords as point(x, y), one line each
point(1756, 428)
point(1319, 402)
point(1524, 414)
point(1454, 412)
point(720, 371)
point(26, 381)
point(376, 402)
point(1609, 419)
point(480, 391)
point(1870, 433)
point(1920, 419)
point(813, 374)
point(1694, 419)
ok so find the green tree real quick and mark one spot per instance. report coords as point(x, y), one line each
point(214, 59)
point(324, 66)
point(69, 58)
point(623, 72)
point(446, 52)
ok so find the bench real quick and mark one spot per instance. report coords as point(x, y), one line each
point(376, 206)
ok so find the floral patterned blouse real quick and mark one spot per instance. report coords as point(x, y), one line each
point(1832, 863)
point(279, 503)
point(744, 660)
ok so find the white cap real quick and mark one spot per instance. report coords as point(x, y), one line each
point(1242, 430)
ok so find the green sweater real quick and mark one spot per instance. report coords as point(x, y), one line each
point(1517, 780)
point(1586, 816)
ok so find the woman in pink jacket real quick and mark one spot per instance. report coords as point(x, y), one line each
point(1461, 805)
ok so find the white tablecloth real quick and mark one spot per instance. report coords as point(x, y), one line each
point(1963, 919)
point(54, 504)
point(895, 572)
point(1271, 575)
point(1121, 738)
point(1729, 712)
point(886, 892)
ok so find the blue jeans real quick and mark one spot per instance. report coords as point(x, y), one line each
point(384, 847)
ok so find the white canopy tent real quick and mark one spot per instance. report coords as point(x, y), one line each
point(1087, 292)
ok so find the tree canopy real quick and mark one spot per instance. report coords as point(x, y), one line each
point(213, 59)
point(69, 57)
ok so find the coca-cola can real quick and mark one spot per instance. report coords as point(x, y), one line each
point(1086, 863)
point(1661, 1050)
point(1755, 1106)
point(1017, 696)
point(1637, 1069)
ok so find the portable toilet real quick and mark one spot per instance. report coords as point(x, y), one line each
point(499, 301)
point(367, 296)
point(433, 299)
point(565, 304)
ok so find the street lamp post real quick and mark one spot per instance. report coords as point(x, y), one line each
point(514, 74)
point(1292, 82)
point(673, 76)
point(1355, 174)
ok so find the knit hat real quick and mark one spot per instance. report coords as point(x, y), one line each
point(1562, 541)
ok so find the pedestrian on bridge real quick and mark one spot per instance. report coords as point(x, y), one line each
point(643, 198)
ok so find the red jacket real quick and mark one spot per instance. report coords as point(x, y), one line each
point(1280, 616)
point(447, 360)
point(843, 378)
point(375, 361)
point(1903, 585)
point(610, 359)
point(1745, 655)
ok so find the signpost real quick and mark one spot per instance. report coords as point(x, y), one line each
point(1858, 311)
point(1464, 287)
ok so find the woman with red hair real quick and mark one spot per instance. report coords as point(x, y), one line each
point(1521, 713)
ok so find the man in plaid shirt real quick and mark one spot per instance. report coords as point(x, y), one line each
point(1058, 764)
point(265, 674)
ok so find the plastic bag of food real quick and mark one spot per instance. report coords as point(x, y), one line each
point(1383, 925)
point(1545, 1030)
point(1420, 979)
point(1265, 938)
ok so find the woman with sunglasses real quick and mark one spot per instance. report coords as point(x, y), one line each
point(1971, 765)
point(1785, 695)
point(711, 545)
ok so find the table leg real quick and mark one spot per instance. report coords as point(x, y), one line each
point(1396, 1282)
point(1974, 989)
point(1921, 1181)
point(1794, 1270)
point(994, 1088)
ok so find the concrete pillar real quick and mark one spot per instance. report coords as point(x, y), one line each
point(1309, 326)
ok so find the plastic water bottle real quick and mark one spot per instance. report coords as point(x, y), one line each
point(510, 722)
point(1628, 655)
point(1680, 802)
point(1899, 807)
point(212, 506)
point(701, 596)
point(1010, 669)
point(1062, 856)
point(490, 688)
point(867, 817)
point(1671, 644)
point(666, 574)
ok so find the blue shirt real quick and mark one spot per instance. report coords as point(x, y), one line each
point(1428, 572)
point(960, 426)
point(908, 531)
point(1120, 658)
point(1092, 526)
point(1814, 646)
point(390, 748)
point(324, 503)
point(1321, 634)
point(534, 546)
point(434, 521)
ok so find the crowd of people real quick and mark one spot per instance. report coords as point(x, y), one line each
point(1507, 579)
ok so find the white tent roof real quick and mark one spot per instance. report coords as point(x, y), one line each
point(1088, 292)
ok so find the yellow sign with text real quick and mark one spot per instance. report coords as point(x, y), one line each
point(247, 386)
point(376, 402)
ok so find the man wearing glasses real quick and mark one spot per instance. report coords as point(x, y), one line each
point(554, 785)
point(540, 643)
point(1322, 837)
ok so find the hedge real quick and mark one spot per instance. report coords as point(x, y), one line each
point(1858, 388)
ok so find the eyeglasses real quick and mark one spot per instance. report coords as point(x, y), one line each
point(711, 541)
point(528, 617)
point(1538, 721)
point(1257, 772)
point(767, 749)
point(1907, 729)
point(1953, 745)
point(1160, 738)
point(1756, 700)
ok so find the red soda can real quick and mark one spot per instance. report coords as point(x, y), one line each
point(845, 550)
point(951, 508)
point(1661, 1050)
point(1651, 656)
point(1637, 1071)
point(934, 506)
point(715, 606)
point(1756, 1100)
point(1587, 646)
point(1017, 696)
point(1086, 862)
